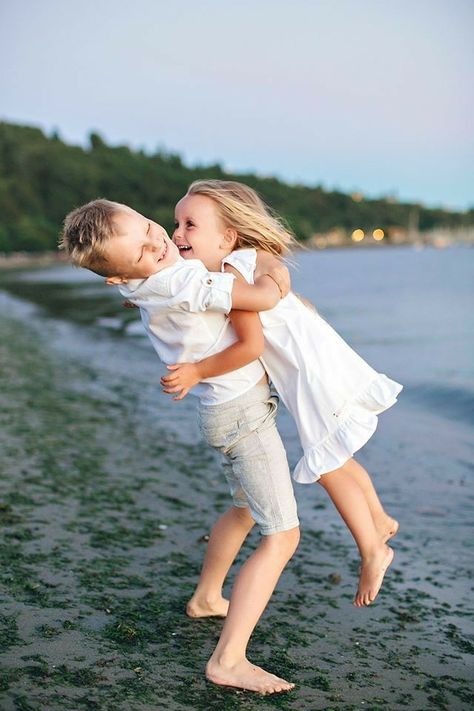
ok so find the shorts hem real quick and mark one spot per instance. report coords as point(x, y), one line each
point(265, 531)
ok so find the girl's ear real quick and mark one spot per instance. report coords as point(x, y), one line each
point(116, 280)
point(230, 238)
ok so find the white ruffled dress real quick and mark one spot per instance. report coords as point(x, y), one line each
point(333, 395)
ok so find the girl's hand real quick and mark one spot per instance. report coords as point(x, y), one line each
point(181, 380)
point(128, 304)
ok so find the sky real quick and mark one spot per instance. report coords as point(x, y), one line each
point(356, 95)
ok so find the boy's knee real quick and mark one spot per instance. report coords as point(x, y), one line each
point(284, 543)
point(294, 538)
point(242, 513)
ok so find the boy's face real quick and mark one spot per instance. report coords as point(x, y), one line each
point(139, 247)
point(199, 232)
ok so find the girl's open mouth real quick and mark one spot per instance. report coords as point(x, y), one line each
point(184, 248)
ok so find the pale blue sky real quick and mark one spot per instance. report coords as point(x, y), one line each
point(366, 95)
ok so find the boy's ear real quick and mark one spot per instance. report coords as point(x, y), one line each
point(116, 280)
point(230, 237)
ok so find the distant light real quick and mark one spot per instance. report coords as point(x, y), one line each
point(357, 235)
point(378, 234)
point(321, 242)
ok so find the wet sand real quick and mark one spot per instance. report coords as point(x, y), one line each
point(106, 498)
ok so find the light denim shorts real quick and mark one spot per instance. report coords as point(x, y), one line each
point(255, 463)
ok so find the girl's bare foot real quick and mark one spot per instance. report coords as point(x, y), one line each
point(245, 675)
point(197, 607)
point(391, 530)
point(372, 573)
point(387, 528)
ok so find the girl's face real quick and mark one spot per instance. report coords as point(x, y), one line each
point(199, 232)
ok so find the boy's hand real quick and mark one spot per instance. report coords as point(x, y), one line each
point(181, 380)
point(271, 265)
point(281, 276)
point(128, 304)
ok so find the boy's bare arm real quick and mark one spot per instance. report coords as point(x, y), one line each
point(247, 348)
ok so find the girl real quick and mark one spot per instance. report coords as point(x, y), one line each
point(333, 395)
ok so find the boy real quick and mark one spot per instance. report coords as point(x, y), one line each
point(182, 307)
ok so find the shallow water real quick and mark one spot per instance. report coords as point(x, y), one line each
point(408, 313)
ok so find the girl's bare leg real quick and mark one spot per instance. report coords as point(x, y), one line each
point(386, 526)
point(225, 541)
point(228, 665)
point(349, 499)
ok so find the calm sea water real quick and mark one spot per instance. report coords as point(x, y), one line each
point(407, 312)
point(410, 315)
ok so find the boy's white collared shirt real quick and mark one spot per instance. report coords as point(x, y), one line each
point(183, 309)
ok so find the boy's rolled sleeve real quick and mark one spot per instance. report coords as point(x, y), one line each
point(216, 292)
point(199, 290)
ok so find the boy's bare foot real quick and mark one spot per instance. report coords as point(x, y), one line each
point(372, 572)
point(245, 675)
point(203, 608)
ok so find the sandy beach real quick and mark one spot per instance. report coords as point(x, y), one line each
point(106, 497)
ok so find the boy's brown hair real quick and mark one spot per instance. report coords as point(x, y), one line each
point(85, 232)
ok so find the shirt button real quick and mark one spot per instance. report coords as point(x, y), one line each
point(209, 281)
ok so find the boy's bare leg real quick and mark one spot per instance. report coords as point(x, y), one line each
point(350, 501)
point(225, 541)
point(386, 526)
point(228, 665)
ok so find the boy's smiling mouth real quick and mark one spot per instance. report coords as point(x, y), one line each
point(164, 252)
point(184, 248)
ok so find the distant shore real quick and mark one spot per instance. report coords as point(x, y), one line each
point(31, 259)
point(438, 239)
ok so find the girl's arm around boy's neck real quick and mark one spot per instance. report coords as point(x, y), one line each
point(269, 287)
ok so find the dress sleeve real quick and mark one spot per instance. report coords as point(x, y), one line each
point(245, 261)
point(199, 290)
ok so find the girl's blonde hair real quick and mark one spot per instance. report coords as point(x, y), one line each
point(241, 208)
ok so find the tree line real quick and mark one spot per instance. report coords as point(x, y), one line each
point(42, 178)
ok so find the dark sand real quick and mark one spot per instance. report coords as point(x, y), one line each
point(105, 500)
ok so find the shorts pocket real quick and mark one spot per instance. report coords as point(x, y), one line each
point(219, 433)
point(259, 415)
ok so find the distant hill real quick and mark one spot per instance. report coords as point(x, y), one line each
point(42, 178)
